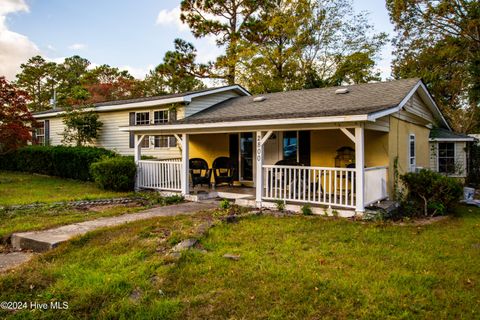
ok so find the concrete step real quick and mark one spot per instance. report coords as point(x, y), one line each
point(41, 241)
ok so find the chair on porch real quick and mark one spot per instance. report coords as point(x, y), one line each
point(223, 171)
point(199, 172)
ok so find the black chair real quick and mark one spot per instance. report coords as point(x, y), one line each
point(288, 162)
point(199, 172)
point(223, 171)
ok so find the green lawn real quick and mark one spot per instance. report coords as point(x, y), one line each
point(24, 188)
point(293, 267)
point(48, 217)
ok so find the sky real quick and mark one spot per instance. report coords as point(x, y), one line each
point(131, 35)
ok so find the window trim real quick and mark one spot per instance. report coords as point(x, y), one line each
point(168, 142)
point(142, 124)
point(161, 110)
point(412, 168)
point(454, 157)
point(40, 135)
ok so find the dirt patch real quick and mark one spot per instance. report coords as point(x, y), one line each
point(422, 222)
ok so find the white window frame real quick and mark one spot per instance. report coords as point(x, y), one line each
point(412, 160)
point(37, 135)
point(454, 156)
point(168, 142)
point(164, 120)
point(144, 122)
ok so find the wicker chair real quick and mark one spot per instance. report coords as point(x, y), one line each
point(199, 172)
point(223, 171)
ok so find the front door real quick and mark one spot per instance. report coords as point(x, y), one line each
point(246, 156)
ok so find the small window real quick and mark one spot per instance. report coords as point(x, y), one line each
point(165, 142)
point(160, 117)
point(142, 118)
point(446, 157)
point(40, 133)
point(290, 145)
point(145, 142)
point(412, 162)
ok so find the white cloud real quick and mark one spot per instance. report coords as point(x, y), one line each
point(168, 18)
point(15, 48)
point(138, 73)
point(77, 46)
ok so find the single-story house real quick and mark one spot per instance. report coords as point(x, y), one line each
point(336, 147)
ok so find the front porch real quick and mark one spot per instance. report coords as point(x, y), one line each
point(261, 179)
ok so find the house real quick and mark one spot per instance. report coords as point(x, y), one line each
point(339, 147)
point(449, 152)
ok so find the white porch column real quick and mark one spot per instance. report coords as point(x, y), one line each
point(185, 167)
point(259, 169)
point(138, 150)
point(360, 169)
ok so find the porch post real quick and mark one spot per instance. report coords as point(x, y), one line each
point(138, 150)
point(259, 170)
point(185, 183)
point(360, 170)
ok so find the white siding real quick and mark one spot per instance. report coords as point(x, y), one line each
point(56, 131)
point(460, 158)
point(201, 103)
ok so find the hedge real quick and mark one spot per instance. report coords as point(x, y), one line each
point(61, 161)
point(116, 174)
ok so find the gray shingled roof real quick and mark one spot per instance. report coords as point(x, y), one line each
point(143, 99)
point(361, 99)
point(439, 134)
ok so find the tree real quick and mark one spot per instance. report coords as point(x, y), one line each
point(15, 119)
point(177, 73)
point(439, 41)
point(38, 79)
point(293, 44)
point(227, 20)
point(81, 126)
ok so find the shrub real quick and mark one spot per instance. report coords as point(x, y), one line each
point(306, 210)
point(430, 193)
point(280, 205)
point(224, 204)
point(61, 161)
point(116, 173)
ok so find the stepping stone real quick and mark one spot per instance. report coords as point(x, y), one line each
point(230, 256)
point(184, 245)
point(41, 241)
point(13, 259)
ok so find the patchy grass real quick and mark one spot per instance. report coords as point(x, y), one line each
point(23, 188)
point(46, 217)
point(113, 273)
point(296, 267)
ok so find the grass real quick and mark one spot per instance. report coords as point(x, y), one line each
point(299, 267)
point(24, 188)
point(46, 217)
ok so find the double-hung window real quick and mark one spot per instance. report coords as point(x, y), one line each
point(160, 117)
point(446, 157)
point(412, 160)
point(40, 133)
point(165, 142)
point(142, 118)
point(145, 142)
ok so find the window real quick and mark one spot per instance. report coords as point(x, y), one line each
point(165, 142)
point(290, 145)
point(142, 118)
point(446, 157)
point(145, 142)
point(412, 162)
point(160, 117)
point(40, 133)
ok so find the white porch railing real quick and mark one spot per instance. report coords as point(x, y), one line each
point(317, 185)
point(161, 175)
point(375, 184)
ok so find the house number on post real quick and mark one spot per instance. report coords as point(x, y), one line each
point(259, 146)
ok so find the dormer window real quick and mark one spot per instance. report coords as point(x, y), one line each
point(160, 117)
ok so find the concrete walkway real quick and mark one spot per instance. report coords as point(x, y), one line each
point(40, 241)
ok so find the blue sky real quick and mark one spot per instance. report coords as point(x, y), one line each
point(133, 35)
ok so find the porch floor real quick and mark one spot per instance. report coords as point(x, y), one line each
point(235, 192)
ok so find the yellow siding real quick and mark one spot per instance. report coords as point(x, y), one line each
point(398, 146)
point(209, 146)
point(324, 145)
